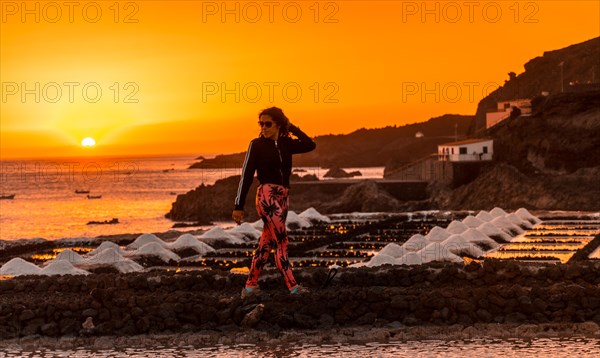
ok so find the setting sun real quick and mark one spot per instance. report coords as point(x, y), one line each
point(88, 142)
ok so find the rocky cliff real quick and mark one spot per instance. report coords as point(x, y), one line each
point(547, 161)
point(580, 64)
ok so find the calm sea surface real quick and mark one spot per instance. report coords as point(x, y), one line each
point(138, 191)
point(542, 347)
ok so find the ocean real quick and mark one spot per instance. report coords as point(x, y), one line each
point(138, 191)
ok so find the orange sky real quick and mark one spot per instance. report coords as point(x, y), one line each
point(163, 67)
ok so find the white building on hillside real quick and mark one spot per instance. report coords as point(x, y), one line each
point(466, 150)
point(504, 110)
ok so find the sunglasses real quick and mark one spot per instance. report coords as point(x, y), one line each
point(266, 124)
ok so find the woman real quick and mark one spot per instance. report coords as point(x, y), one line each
point(270, 155)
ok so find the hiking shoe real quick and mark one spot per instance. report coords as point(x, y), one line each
point(299, 290)
point(249, 292)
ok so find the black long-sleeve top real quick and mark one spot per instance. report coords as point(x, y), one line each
point(272, 160)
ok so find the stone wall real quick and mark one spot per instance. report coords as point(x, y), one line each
point(169, 302)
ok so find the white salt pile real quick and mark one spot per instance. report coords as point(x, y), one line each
point(456, 227)
point(105, 245)
point(505, 224)
point(111, 257)
point(492, 230)
point(498, 212)
point(156, 250)
point(146, 239)
point(526, 215)
point(19, 267)
point(218, 235)
point(415, 243)
point(437, 251)
point(437, 234)
point(127, 266)
point(472, 221)
point(70, 256)
point(393, 250)
point(484, 216)
point(61, 267)
point(244, 231)
point(477, 237)
point(293, 220)
point(189, 241)
point(471, 237)
point(515, 219)
point(108, 256)
point(411, 258)
point(312, 215)
point(379, 260)
point(458, 245)
point(258, 224)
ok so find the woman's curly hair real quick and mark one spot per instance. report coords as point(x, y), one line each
point(279, 118)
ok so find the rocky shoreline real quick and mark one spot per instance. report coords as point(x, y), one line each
point(204, 305)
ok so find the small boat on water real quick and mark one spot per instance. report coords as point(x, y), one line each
point(7, 197)
point(82, 191)
point(94, 196)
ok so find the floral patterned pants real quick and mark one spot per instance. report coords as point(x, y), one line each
point(272, 207)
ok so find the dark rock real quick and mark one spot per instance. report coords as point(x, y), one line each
point(326, 321)
point(50, 329)
point(410, 321)
point(68, 326)
point(90, 312)
point(143, 325)
point(484, 315)
point(304, 321)
point(26, 315)
point(32, 327)
point(337, 172)
point(366, 319)
point(515, 317)
point(464, 306)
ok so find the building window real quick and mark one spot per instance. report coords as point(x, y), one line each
point(485, 149)
point(462, 150)
point(452, 150)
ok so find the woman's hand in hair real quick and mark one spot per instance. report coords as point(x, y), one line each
point(292, 129)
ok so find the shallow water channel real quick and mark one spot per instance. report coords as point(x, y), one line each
point(539, 347)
